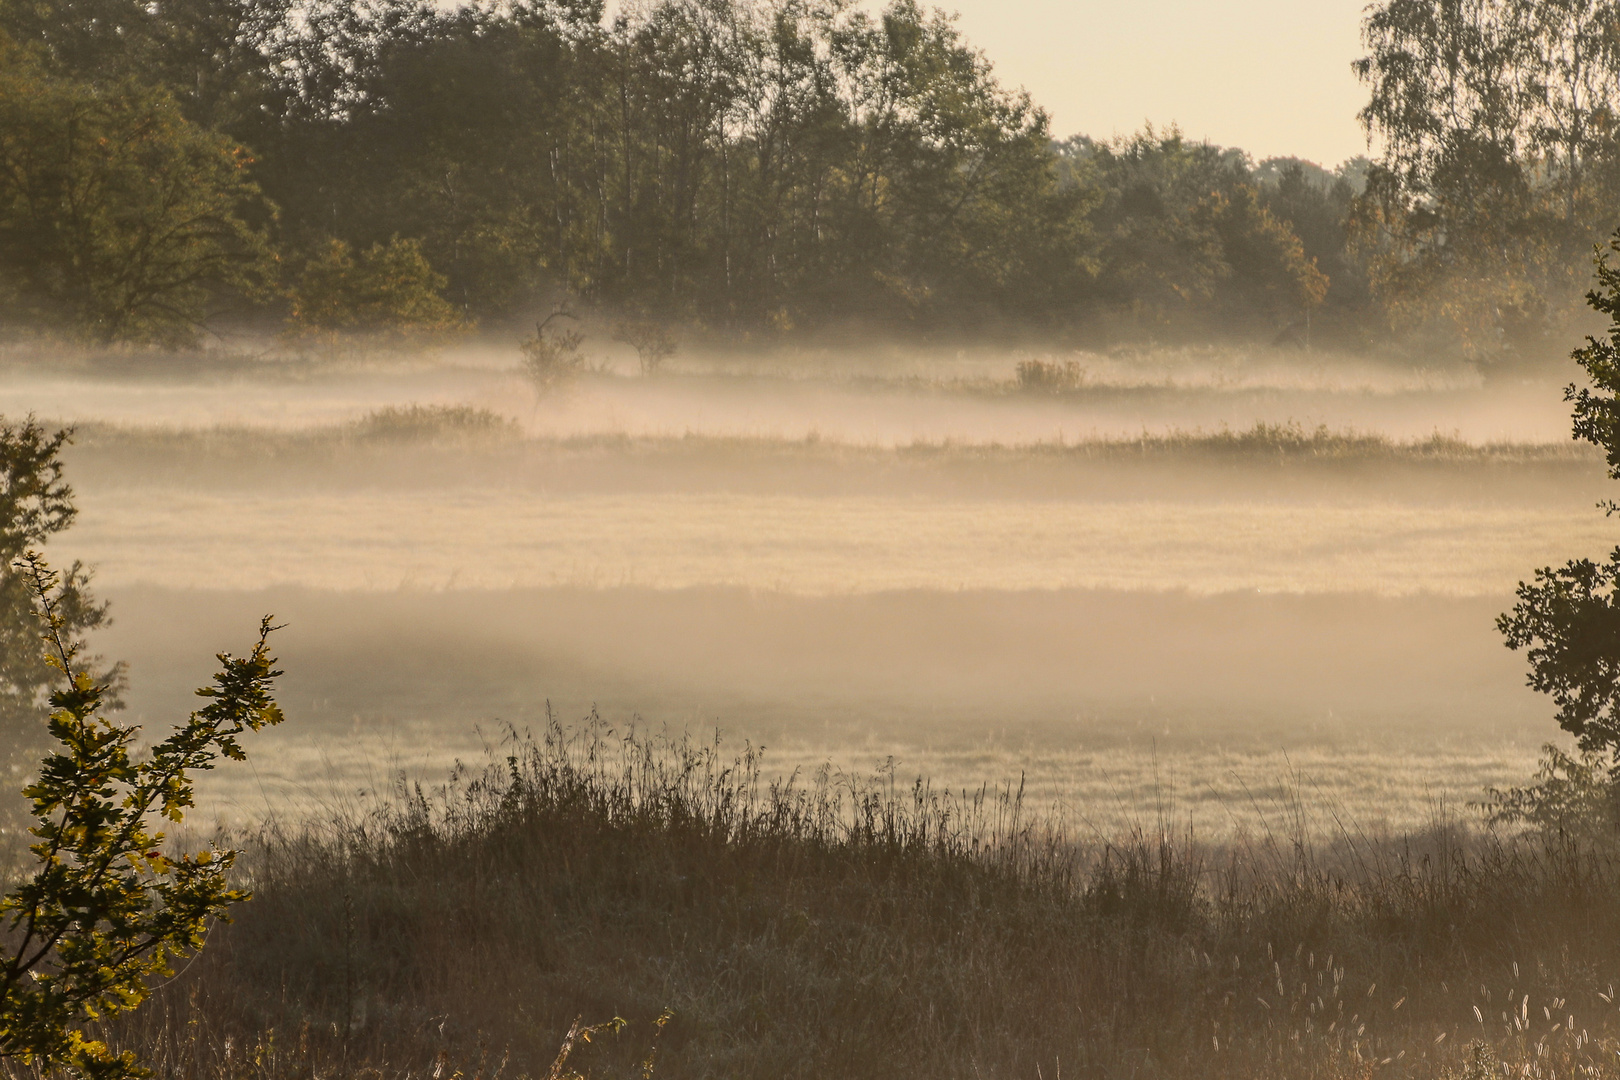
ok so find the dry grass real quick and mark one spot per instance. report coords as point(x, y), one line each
point(527, 537)
point(388, 427)
point(1049, 376)
point(835, 928)
point(416, 447)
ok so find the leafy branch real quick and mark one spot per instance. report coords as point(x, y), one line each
point(107, 909)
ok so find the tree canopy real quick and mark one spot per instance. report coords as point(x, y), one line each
point(116, 213)
point(771, 166)
point(1500, 163)
point(755, 165)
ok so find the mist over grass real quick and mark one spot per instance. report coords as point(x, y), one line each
point(854, 396)
point(1033, 599)
point(834, 925)
point(1230, 629)
point(417, 446)
point(1106, 702)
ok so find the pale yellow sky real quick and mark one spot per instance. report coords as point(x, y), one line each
point(1271, 76)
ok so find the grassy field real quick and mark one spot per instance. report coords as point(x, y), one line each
point(1101, 699)
point(1198, 663)
point(843, 399)
point(1218, 611)
point(817, 546)
point(455, 497)
point(873, 929)
point(460, 435)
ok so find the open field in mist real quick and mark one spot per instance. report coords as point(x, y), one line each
point(817, 546)
point(1127, 594)
point(1108, 702)
point(851, 396)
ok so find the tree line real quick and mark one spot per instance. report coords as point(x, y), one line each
point(1501, 162)
point(757, 167)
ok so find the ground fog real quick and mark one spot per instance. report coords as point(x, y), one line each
point(1196, 581)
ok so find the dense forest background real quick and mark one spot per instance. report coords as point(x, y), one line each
point(766, 168)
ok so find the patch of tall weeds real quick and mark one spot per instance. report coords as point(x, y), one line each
point(834, 925)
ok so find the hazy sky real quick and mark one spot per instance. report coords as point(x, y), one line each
point(1271, 76)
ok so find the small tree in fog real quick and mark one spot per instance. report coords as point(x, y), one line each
point(552, 358)
point(653, 342)
point(1568, 618)
point(106, 908)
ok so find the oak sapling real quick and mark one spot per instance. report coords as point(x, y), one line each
point(106, 907)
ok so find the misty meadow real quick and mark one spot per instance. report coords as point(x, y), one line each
point(730, 547)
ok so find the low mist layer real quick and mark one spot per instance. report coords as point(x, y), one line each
point(1179, 615)
point(484, 540)
point(1078, 690)
point(874, 399)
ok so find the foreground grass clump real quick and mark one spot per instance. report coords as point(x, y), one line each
point(839, 928)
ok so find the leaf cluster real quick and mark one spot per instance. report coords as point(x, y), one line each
point(1568, 621)
point(1571, 794)
point(1597, 408)
point(35, 501)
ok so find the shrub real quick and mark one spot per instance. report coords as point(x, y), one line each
point(854, 927)
point(1573, 795)
point(36, 503)
point(387, 291)
point(552, 358)
point(424, 423)
point(1480, 1064)
point(1050, 376)
point(653, 341)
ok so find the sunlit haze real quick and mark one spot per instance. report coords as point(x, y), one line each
point(757, 555)
point(1271, 76)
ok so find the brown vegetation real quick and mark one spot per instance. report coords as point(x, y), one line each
point(386, 429)
point(844, 928)
point(1050, 376)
